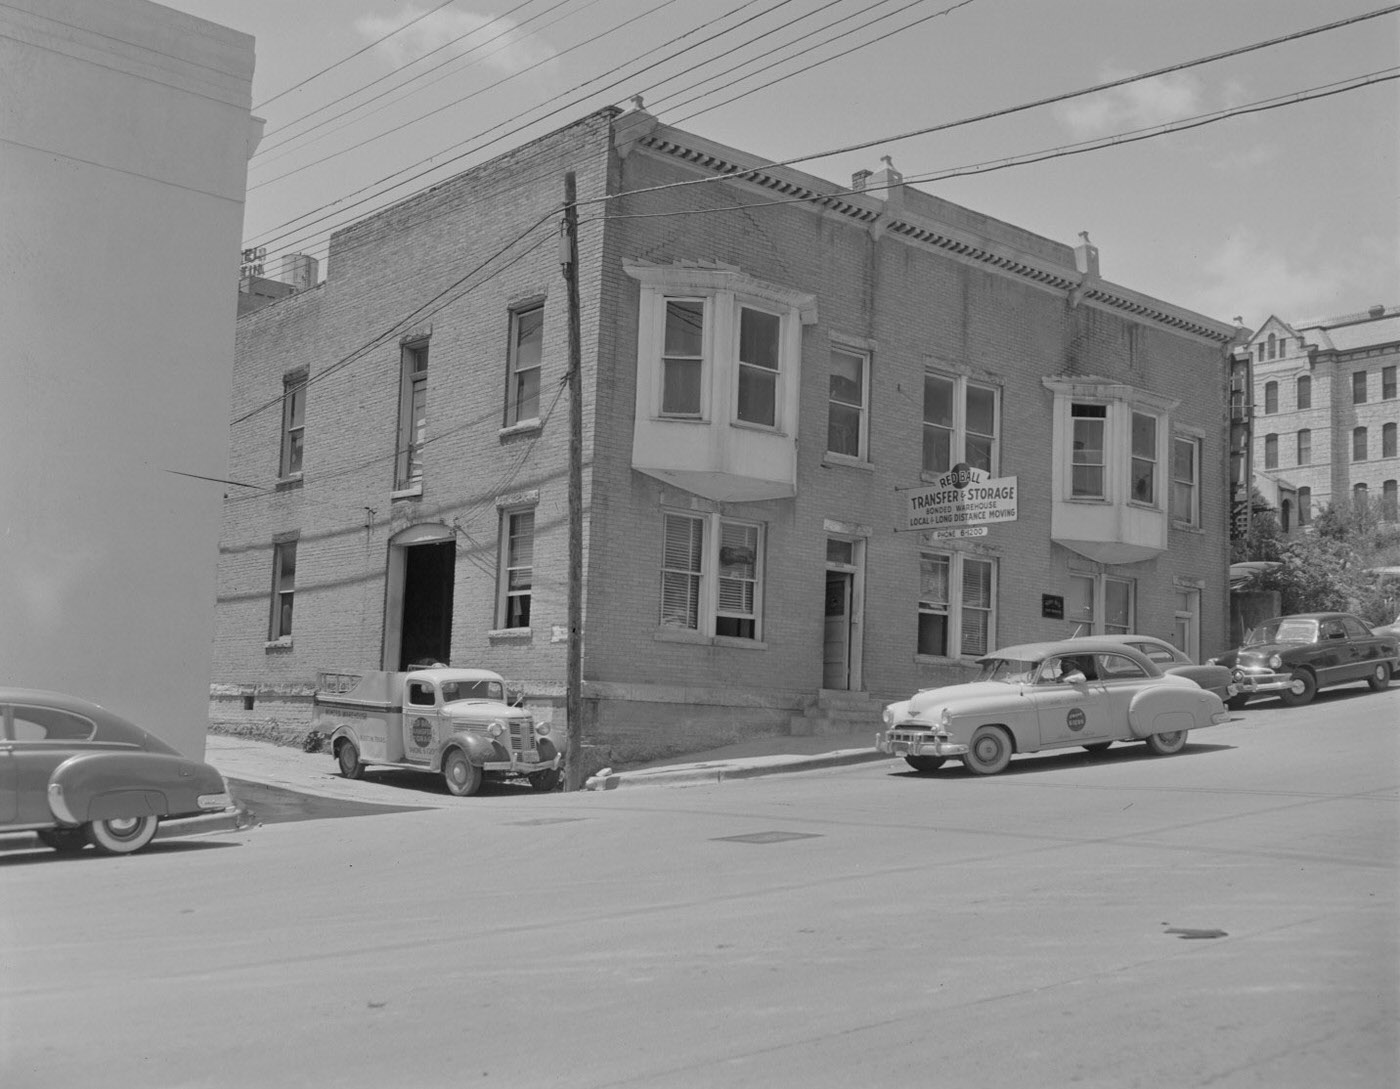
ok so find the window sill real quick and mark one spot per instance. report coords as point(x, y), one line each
point(283, 643)
point(1139, 505)
point(942, 660)
point(287, 483)
point(518, 635)
point(762, 429)
point(1188, 527)
point(695, 638)
point(414, 491)
point(847, 461)
point(524, 427)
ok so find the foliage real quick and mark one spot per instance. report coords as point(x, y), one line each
point(1326, 567)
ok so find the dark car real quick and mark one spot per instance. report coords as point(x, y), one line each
point(1296, 655)
point(74, 773)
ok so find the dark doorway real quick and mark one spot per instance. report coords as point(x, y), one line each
point(429, 572)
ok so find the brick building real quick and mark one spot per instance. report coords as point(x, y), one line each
point(1325, 413)
point(772, 366)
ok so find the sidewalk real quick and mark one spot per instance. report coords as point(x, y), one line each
point(316, 773)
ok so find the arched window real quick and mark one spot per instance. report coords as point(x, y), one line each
point(1273, 346)
point(1305, 392)
point(1358, 495)
point(1270, 398)
point(1304, 506)
point(1271, 451)
point(1304, 447)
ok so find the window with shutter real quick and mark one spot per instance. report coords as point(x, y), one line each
point(681, 570)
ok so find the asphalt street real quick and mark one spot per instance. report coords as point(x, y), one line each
point(1223, 917)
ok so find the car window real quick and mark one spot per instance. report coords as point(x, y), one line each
point(1154, 651)
point(51, 724)
point(1290, 631)
point(1117, 667)
point(420, 694)
point(1056, 669)
point(1354, 628)
point(1332, 629)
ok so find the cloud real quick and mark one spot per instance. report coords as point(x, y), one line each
point(498, 43)
point(1133, 106)
point(1255, 277)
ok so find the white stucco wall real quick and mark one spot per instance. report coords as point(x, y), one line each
point(124, 138)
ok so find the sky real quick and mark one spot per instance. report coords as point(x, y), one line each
point(1292, 210)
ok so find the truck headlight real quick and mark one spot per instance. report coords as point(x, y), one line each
point(496, 729)
point(944, 719)
point(542, 729)
point(887, 717)
point(1275, 661)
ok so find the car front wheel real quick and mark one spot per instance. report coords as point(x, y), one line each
point(122, 835)
point(1166, 744)
point(1379, 680)
point(989, 751)
point(1302, 689)
point(462, 776)
point(349, 758)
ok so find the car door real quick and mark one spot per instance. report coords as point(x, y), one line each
point(1122, 679)
point(1069, 714)
point(420, 722)
point(1366, 649)
point(43, 738)
point(1332, 655)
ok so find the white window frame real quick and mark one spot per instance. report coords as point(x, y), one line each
point(711, 576)
point(279, 628)
point(293, 446)
point(1095, 617)
point(1119, 403)
point(510, 591)
point(1086, 461)
point(515, 372)
point(413, 415)
point(1186, 512)
point(955, 608)
point(753, 371)
point(1148, 456)
point(701, 361)
point(837, 404)
point(957, 429)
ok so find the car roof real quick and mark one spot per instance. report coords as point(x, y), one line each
point(1307, 616)
point(59, 700)
point(1029, 652)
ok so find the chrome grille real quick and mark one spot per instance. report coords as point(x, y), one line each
point(522, 736)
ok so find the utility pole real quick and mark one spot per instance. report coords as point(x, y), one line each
point(573, 683)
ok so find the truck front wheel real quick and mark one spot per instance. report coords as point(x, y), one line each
point(349, 758)
point(545, 781)
point(462, 776)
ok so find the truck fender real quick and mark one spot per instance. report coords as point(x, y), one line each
point(478, 749)
point(1167, 709)
point(547, 749)
point(101, 786)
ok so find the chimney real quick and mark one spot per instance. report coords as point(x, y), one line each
point(858, 180)
point(1086, 257)
point(301, 270)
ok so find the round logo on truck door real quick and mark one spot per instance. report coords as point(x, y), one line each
point(1075, 719)
point(422, 732)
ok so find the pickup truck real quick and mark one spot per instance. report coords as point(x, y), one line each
point(453, 721)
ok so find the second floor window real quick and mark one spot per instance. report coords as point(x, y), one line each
point(1358, 444)
point(845, 417)
point(526, 353)
point(1305, 447)
point(1358, 387)
point(293, 423)
point(1270, 398)
point(1388, 441)
point(1186, 461)
point(1271, 451)
point(683, 357)
point(1304, 392)
point(759, 351)
point(413, 415)
point(1087, 475)
point(1144, 459)
point(284, 580)
point(1387, 383)
point(517, 568)
point(960, 424)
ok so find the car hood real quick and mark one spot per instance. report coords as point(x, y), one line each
point(1260, 652)
point(477, 710)
point(957, 696)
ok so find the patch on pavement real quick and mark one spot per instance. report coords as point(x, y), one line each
point(1188, 932)
point(766, 837)
point(277, 805)
point(545, 820)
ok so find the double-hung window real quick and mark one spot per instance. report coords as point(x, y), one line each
point(1143, 473)
point(1101, 604)
point(293, 424)
point(957, 594)
point(517, 577)
point(413, 415)
point(1087, 468)
point(1271, 451)
point(960, 424)
point(760, 341)
point(1305, 447)
point(1304, 392)
point(1387, 383)
point(712, 576)
point(848, 394)
point(526, 354)
point(284, 579)
point(1186, 480)
point(1388, 440)
point(1358, 444)
point(683, 357)
point(1270, 398)
point(1358, 387)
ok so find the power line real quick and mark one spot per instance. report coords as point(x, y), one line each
point(352, 56)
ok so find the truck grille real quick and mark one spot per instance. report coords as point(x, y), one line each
point(522, 736)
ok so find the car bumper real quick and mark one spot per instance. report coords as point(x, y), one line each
point(1252, 682)
point(234, 818)
point(519, 765)
point(901, 743)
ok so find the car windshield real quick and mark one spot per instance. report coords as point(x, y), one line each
point(470, 690)
point(1286, 630)
point(1007, 670)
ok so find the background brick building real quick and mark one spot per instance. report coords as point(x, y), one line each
point(770, 364)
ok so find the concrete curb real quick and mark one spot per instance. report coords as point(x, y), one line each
point(718, 771)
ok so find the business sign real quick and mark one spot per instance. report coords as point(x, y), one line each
point(253, 262)
point(962, 497)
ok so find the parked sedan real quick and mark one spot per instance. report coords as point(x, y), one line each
point(1070, 693)
point(1294, 656)
point(1213, 678)
point(76, 774)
